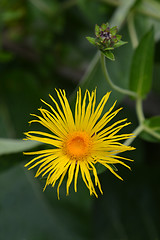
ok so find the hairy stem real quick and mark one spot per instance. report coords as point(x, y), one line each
point(115, 87)
point(139, 110)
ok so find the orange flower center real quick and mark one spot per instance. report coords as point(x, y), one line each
point(78, 145)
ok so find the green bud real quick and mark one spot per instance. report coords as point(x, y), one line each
point(106, 39)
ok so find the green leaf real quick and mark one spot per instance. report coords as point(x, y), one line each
point(143, 24)
point(113, 30)
point(129, 205)
point(154, 125)
point(118, 37)
point(109, 48)
point(91, 40)
point(8, 146)
point(149, 8)
point(33, 214)
point(109, 55)
point(97, 30)
point(120, 43)
point(142, 64)
point(104, 26)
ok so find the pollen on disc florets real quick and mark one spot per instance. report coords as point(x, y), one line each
point(78, 145)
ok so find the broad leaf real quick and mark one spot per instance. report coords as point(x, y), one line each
point(143, 24)
point(27, 214)
point(8, 146)
point(142, 64)
point(154, 124)
point(129, 205)
point(149, 8)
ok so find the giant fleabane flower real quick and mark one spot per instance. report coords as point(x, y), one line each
point(77, 142)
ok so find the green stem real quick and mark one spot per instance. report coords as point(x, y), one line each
point(139, 110)
point(136, 132)
point(132, 30)
point(115, 87)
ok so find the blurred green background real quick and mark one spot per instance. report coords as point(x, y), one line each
point(43, 47)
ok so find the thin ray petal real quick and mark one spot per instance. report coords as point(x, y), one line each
point(78, 141)
point(70, 176)
point(76, 176)
point(60, 182)
point(112, 171)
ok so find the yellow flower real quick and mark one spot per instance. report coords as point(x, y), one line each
point(77, 142)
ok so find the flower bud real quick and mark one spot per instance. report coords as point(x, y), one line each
point(106, 39)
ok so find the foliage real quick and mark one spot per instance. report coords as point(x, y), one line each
point(43, 46)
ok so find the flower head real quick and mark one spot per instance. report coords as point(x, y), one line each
point(78, 142)
point(106, 39)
